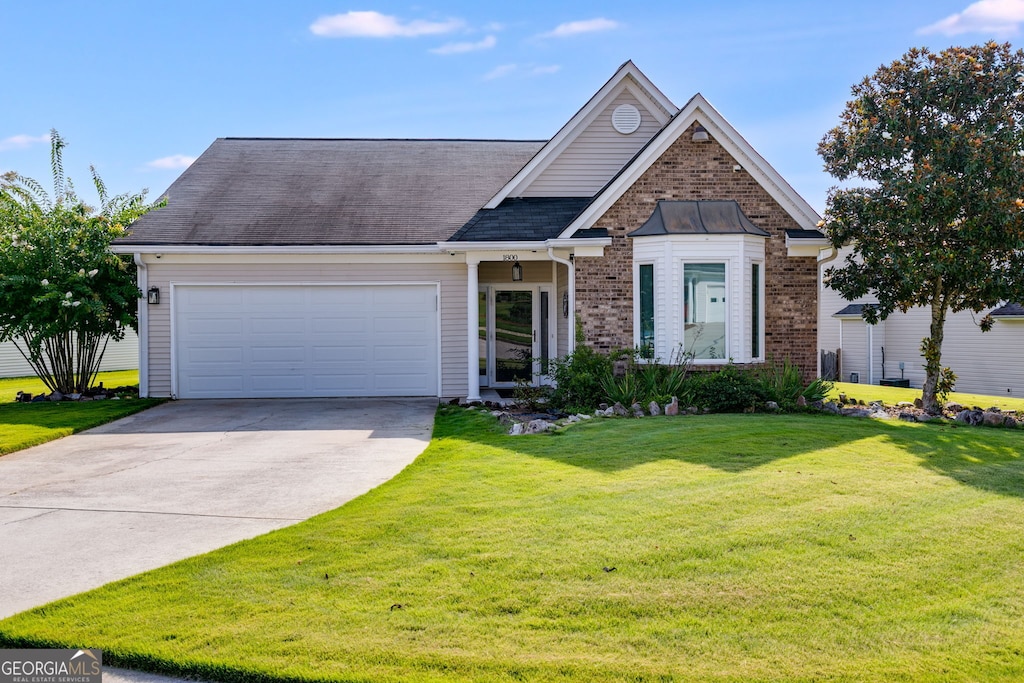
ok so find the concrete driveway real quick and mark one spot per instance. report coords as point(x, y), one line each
point(185, 478)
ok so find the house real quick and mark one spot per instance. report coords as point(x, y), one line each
point(345, 267)
point(122, 355)
point(985, 362)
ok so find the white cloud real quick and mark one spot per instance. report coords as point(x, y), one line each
point(172, 162)
point(22, 141)
point(460, 48)
point(528, 70)
point(500, 71)
point(998, 17)
point(573, 28)
point(377, 25)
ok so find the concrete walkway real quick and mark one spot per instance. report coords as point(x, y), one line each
point(187, 477)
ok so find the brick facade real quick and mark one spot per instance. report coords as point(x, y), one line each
point(691, 170)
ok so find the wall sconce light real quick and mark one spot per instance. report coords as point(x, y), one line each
point(565, 304)
point(517, 272)
point(153, 295)
point(700, 134)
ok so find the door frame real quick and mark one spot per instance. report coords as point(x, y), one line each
point(489, 290)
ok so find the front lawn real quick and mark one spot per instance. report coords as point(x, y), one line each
point(894, 395)
point(710, 548)
point(29, 424)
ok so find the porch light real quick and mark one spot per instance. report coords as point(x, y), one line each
point(700, 134)
point(517, 272)
point(153, 295)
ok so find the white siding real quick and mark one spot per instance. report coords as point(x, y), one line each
point(123, 355)
point(668, 255)
point(988, 363)
point(595, 156)
point(566, 324)
point(312, 269)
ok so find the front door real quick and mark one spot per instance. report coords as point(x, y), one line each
point(516, 340)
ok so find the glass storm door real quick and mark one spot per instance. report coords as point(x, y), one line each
point(516, 334)
point(513, 336)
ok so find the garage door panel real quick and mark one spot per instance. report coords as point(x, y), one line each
point(306, 340)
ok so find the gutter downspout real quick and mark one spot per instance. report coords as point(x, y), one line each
point(142, 281)
point(821, 279)
point(572, 295)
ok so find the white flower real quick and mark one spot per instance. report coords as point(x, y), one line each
point(76, 303)
point(81, 271)
point(92, 273)
point(1020, 152)
point(65, 303)
point(67, 295)
point(886, 135)
point(45, 283)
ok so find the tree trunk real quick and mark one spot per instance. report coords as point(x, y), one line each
point(931, 347)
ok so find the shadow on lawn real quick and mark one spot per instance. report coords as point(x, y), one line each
point(983, 458)
point(987, 459)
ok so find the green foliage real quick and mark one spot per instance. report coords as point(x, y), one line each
point(818, 390)
point(578, 378)
point(531, 397)
point(63, 293)
point(727, 390)
point(938, 140)
point(779, 382)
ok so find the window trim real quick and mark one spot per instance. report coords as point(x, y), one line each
point(729, 298)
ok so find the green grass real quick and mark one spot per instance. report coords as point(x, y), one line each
point(23, 425)
point(893, 395)
point(793, 547)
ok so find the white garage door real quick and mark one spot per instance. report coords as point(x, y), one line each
point(257, 341)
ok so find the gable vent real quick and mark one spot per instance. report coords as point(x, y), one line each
point(626, 119)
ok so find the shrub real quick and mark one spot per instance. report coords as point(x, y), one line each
point(578, 377)
point(727, 390)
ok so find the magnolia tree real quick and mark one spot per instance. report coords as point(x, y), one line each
point(63, 294)
point(938, 142)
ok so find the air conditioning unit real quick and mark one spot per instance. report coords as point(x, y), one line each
point(855, 378)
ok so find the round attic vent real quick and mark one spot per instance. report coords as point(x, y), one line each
point(626, 119)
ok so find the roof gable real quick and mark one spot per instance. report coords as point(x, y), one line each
point(542, 175)
point(699, 110)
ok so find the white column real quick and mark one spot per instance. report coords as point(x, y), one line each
point(472, 329)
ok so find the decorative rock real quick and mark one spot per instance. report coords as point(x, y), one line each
point(970, 417)
point(772, 405)
point(953, 407)
point(908, 417)
point(572, 419)
point(673, 407)
point(584, 416)
point(91, 398)
point(603, 406)
point(818, 405)
point(537, 426)
point(516, 429)
point(56, 396)
point(832, 407)
point(801, 401)
point(905, 404)
point(925, 417)
point(880, 414)
point(638, 410)
point(992, 419)
point(1010, 422)
point(918, 403)
point(692, 410)
point(99, 397)
point(72, 397)
point(40, 398)
point(842, 398)
point(654, 408)
point(993, 409)
point(856, 412)
point(619, 409)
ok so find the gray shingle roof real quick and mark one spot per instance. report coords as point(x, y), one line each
point(717, 217)
point(853, 311)
point(1010, 310)
point(523, 219)
point(264, 191)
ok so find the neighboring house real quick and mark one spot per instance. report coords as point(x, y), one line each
point(122, 355)
point(307, 267)
point(985, 362)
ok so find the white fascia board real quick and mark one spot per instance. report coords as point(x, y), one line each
point(558, 243)
point(806, 247)
point(699, 109)
point(628, 77)
point(272, 249)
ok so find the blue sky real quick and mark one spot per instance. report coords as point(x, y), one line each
point(139, 88)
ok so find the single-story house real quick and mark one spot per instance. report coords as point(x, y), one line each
point(985, 362)
point(353, 267)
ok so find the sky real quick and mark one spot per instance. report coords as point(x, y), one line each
point(141, 88)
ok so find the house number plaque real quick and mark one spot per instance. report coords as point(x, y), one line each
point(510, 257)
